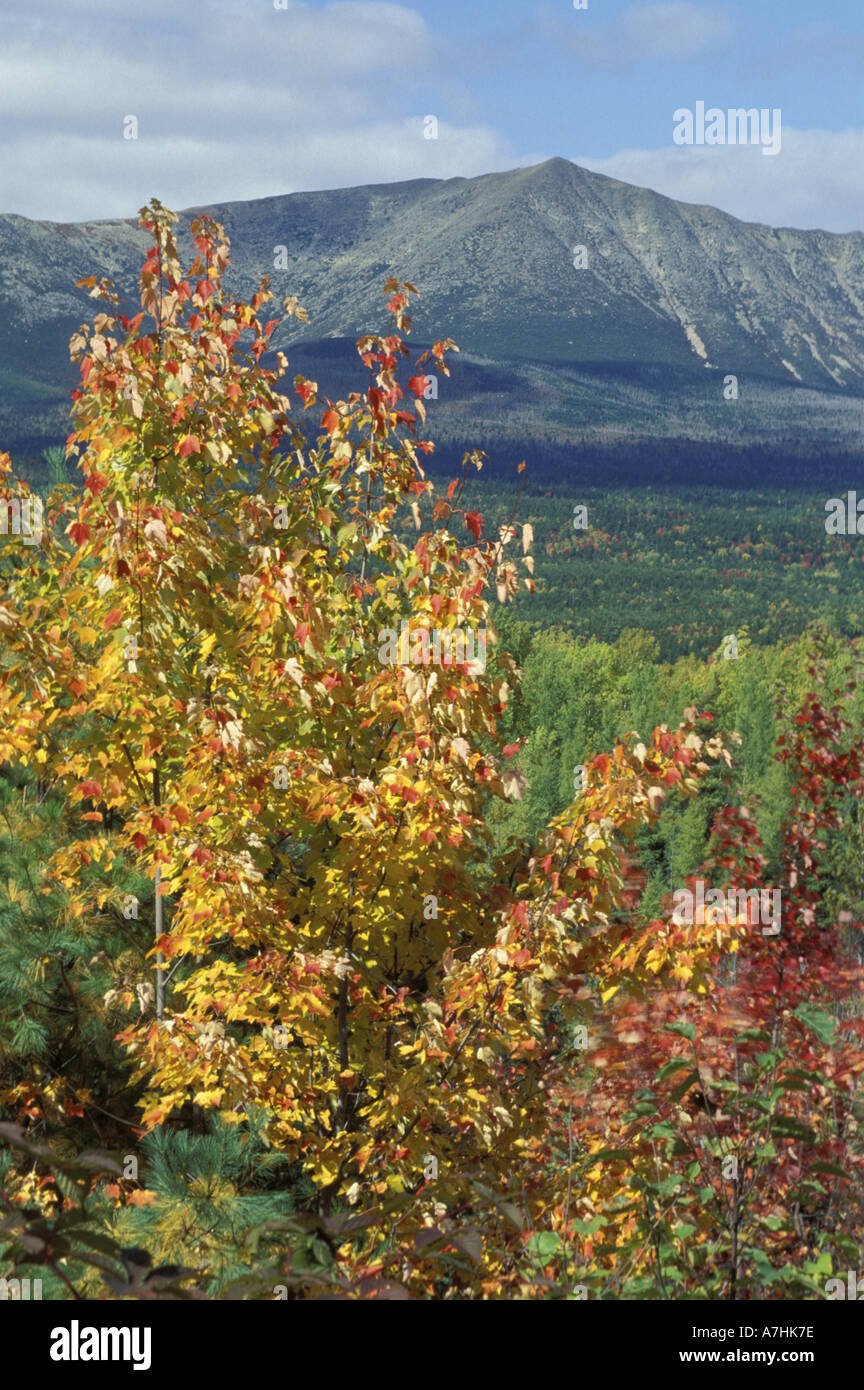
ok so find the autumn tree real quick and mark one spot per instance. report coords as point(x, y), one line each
point(718, 1151)
point(198, 659)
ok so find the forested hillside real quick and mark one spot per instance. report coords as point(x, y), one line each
point(342, 957)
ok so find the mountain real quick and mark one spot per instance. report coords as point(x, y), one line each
point(672, 299)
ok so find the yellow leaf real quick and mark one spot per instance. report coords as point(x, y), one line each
point(208, 1098)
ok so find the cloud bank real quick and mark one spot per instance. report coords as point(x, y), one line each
point(236, 99)
point(232, 100)
point(816, 181)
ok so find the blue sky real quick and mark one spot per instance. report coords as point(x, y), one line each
point(239, 99)
point(605, 79)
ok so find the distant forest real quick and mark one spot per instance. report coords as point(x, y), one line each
point(689, 542)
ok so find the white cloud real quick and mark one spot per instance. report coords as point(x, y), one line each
point(817, 180)
point(660, 32)
point(187, 172)
point(238, 100)
point(234, 100)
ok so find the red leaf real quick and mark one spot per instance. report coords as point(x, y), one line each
point(80, 532)
point(91, 789)
point(418, 385)
point(95, 483)
point(112, 619)
point(190, 445)
point(330, 421)
point(475, 524)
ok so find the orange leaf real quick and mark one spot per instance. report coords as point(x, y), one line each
point(140, 1198)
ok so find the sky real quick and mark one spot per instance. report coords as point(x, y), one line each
point(239, 99)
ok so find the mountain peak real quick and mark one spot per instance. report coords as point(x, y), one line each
point(549, 263)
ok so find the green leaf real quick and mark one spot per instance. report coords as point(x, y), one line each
point(787, 1128)
point(544, 1244)
point(788, 1084)
point(675, 1064)
point(72, 1190)
point(685, 1029)
point(823, 1024)
point(832, 1169)
point(97, 1240)
point(767, 1060)
point(684, 1086)
point(665, 1130)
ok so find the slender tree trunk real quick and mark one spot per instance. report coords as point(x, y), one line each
point(160, 973)
point(160, 959)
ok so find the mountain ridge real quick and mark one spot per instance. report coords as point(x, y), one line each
point(671, 284)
